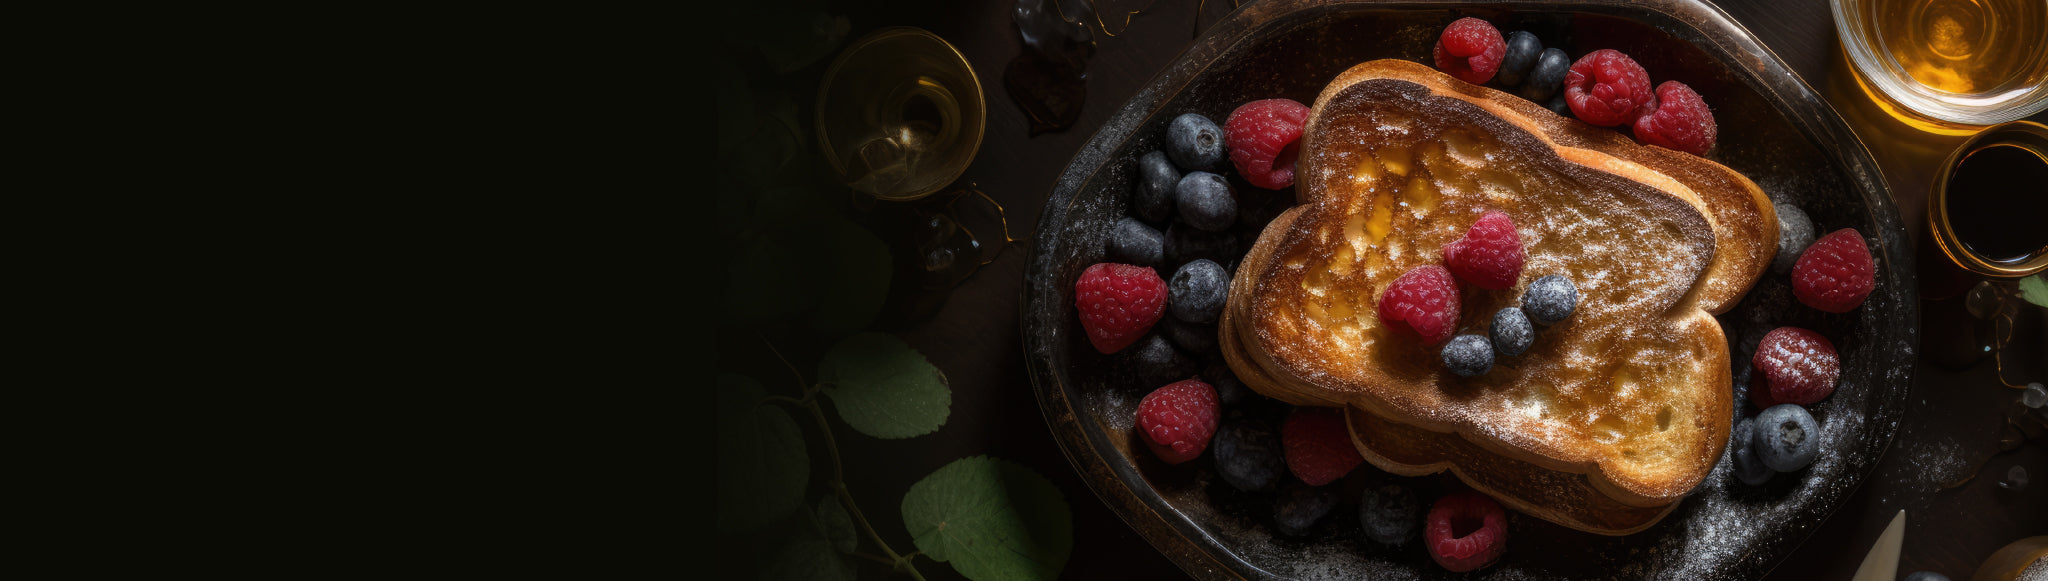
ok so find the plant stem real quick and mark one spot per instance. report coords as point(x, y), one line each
point(810, 401)
point(785, 400)
point(838, 483)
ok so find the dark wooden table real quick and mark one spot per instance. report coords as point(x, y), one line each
point(1949, 432)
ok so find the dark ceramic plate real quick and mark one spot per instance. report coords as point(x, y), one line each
point(1774, 129)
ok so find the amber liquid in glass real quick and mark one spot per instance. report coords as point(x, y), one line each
point(1949, 66)
point(1961, 46)
point(1998, 202)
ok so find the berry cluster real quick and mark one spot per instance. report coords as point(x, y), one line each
point(1604, 87)
point(1164, 325)
point(1424, 300)
point(1795, 367)
point(1184, 212)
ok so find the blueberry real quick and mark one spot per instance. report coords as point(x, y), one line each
point(1748, 467)
point(1795, 233)
point(1550, 299)
point(1194, 142)
point(1158, 363)
point(1523, 49)
point(1390, 514)
point(1185, 243)
point(1468, 355)
point(1132, 242)
point(1206, 201)
point(1559, 106)
point(1300, 506)
point(1229, 390)
point(1248, 454)
point(1156, 179)
point(1547, 77)
point(1787, 438)
point(2015, 478)
point(1926, 576)
point(1199, 290)
point(1511, 332)
point(1194, 337)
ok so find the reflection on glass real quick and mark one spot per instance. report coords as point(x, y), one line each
point(1940, 64)
point(1986, 206)
point(899, 114)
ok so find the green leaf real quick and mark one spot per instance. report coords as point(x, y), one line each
point(763, 466)
point(836, 524)
point(884, 388)
point(807, 559)
point(993, 520)
point(2035, 290)
point(856, 280)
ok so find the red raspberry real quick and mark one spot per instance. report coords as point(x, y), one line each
point(1836, 273)
point(1264, 137)
point(1607, 88)
point(1681, 121)
point(1465, 531)
point(1471, 50)
point(1118, 304)
point(1490, 255)
point(1177, 420)
point(1425, 301)
point(1318, 445)
point(1795, 366)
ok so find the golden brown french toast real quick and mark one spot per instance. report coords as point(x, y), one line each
point(1560, 497)
point(1632, 391)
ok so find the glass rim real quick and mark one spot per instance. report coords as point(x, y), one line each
point(1916, 98)
point(1950, 243)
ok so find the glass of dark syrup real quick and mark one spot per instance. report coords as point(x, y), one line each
point(1989, 205)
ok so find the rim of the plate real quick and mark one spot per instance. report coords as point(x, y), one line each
point(1089, 449)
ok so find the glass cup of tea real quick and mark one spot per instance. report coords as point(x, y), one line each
point(1941, 64)
point(1990, 200)
point(899, 114)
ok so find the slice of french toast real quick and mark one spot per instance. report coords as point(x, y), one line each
point(1564, 498)
point(1560, 497)
point(1632, 391)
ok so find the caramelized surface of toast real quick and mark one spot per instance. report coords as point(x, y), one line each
point(1632, 391)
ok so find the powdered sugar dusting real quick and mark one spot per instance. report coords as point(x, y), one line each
point(1939, 464)
point(1725, 530)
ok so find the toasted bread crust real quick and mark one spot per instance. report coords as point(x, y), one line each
point(1568, 499)
point(1560, 497)
point(1721, 216)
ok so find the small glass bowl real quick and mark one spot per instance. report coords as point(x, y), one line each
point(1874, 66)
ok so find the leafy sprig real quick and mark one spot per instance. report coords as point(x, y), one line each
point(798, 266)
point(990, 519)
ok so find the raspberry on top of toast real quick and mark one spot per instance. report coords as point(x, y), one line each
point(1396, 162)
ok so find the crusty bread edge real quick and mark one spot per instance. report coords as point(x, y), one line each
point(1729, 276)
point(1567, 516)
point(1630, 492)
